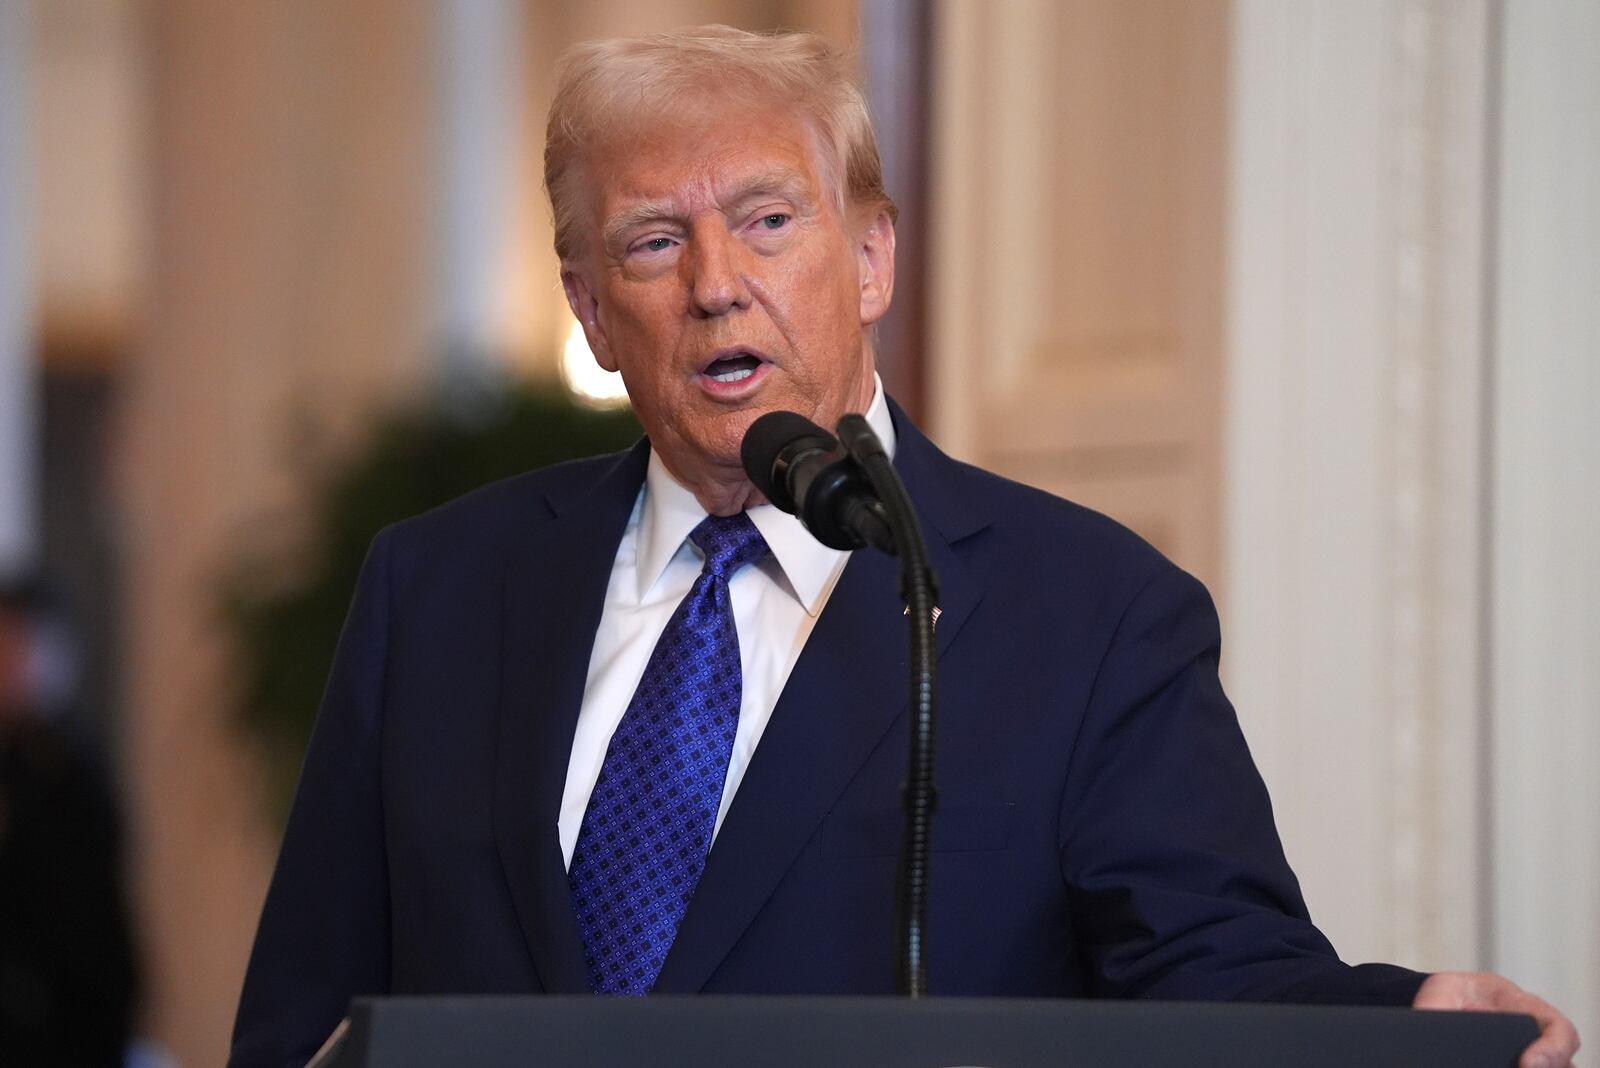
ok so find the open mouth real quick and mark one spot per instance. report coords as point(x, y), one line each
point(735, 368)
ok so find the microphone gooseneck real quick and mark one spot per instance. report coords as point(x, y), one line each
point(849, 496)
point(919, 588)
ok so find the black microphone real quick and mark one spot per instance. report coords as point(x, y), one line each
point(803, 469)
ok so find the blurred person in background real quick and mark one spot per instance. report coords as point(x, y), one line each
point(67, 970)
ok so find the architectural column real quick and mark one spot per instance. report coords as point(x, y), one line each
point(483, 135)
point(19, 459)
point(1544, 411)
point(1355, 470)
point(289, 294)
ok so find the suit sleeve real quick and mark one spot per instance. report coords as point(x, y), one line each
point(324, 932)
point(1178, 880)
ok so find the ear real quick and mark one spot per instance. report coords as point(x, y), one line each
point(875, 256)
point(580, 298)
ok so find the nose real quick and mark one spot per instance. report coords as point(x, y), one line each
point(716, 280)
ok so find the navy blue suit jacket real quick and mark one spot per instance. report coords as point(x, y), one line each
point(1101, 829)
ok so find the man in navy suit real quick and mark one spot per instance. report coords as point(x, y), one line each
point(727, 245)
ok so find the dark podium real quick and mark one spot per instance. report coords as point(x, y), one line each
point(662, 1032)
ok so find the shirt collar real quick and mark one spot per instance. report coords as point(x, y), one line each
point(671, 513)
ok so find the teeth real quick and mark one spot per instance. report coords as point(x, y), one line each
point(734, 376)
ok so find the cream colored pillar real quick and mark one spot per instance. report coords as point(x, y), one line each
point(482, 152)
point(1544, 673)
point(291, 164)
point(1354, 473)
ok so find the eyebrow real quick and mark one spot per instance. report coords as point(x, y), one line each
point(786, 184)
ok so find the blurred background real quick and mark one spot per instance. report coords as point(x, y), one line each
point(1305, 291)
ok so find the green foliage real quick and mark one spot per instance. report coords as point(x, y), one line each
point(285, 609)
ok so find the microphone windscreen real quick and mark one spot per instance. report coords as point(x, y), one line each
point(767, 439)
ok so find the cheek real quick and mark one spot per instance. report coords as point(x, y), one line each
point(638, 330)
point(824, 296)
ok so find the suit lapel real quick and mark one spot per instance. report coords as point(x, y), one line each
point(847, 689)
point(554, 593)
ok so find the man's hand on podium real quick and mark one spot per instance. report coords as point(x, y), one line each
point(1483, 992)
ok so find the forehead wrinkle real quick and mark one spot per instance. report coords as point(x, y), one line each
point(782, 183)
point(809, 176)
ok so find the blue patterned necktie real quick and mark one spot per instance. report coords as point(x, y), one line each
point(643, 842)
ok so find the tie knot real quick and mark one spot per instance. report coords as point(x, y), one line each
point(729, 542)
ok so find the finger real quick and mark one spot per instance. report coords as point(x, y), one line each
point(1557, 1042)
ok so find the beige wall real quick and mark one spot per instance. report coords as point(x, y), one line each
point(1077, 227)
point(289, 168)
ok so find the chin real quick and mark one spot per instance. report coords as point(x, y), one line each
point(721, 442)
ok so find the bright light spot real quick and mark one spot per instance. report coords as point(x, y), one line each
point(589, 382)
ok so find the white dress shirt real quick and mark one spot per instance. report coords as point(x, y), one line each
point(775, 605)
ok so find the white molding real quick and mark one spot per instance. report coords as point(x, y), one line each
point(1434, 510)
point(1352, 488)
point(1302, 616)
point(1546, 509)
point(18, 401)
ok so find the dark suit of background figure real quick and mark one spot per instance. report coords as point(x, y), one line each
point(1101, 829)
point(67, 971)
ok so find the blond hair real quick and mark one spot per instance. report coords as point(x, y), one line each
point(605, 85)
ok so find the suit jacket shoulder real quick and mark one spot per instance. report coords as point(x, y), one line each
point(487, 518)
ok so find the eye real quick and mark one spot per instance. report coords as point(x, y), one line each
point(776, 221)
point(656, 244)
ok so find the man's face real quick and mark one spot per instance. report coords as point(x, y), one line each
point(720, 277)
